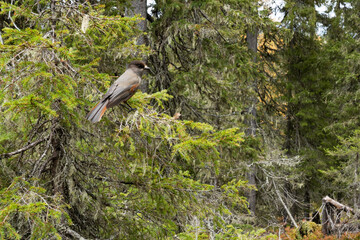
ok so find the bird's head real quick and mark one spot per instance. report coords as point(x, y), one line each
point(139, 67)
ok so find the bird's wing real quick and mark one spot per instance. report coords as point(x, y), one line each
point(122, 94)
point(123, 88)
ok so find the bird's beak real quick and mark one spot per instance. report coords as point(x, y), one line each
point(148, 69)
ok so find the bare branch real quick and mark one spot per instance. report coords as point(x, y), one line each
point(31, 145)
point(338, 205)
point(37, 170)
point(73, 233)
point(12, 3)
point(283, 203)
point(1, 40)
point(212, 24)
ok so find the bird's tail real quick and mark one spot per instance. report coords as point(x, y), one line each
point(97, 112)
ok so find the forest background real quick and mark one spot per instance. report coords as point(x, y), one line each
point(244, 126)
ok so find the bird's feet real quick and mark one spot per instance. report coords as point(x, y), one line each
point(128, 107)
point(131, 109)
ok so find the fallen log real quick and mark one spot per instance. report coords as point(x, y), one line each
point(330, 216)
point(338, 205)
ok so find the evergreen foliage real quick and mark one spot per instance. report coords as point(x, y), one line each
point(177, 167)
point(133, 175)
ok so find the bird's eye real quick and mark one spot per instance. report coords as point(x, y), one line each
point(140, 66)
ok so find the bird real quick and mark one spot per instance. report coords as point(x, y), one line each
point(120, 91)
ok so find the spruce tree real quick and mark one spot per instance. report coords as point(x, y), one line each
point(143, 174)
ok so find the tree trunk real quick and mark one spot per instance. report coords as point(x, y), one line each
point(356, 178)
point(307, 200)
point(55, 159)
point(251, 38)
point(139, 7)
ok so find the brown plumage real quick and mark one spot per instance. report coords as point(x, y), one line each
point(120, 91)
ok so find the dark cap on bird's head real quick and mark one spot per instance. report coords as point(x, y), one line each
point(138, 65)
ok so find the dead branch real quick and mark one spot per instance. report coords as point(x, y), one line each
point(73, 233)
point(38, 170)
point(31, 145)
point(338, 205)
point(330, 218)
point(212, 24)
point(283, 203)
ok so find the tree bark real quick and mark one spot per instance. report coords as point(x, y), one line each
point(55, 159)
point(307, 200)
point(251, 38)
point(139, 7)
point(356, 178)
